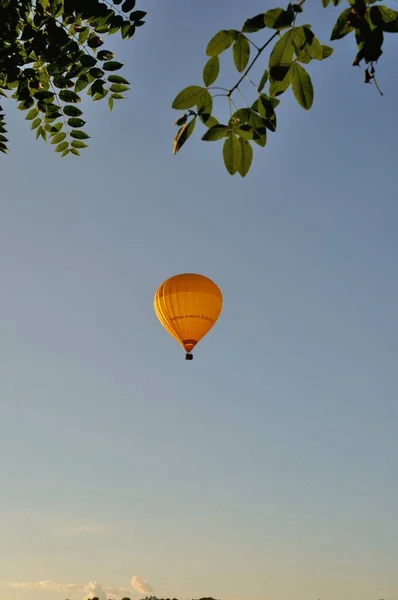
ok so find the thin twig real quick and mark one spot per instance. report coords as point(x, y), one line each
point(377, 86)
point(244, 99)
point(253, 44)
point(251, 81)
point(260, 50)
point(217, 88)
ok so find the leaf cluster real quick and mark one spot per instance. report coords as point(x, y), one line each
point(294, 46)
point(52, 50)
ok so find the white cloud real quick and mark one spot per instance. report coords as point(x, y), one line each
point(91, 589)
point(94, 590)
point(140, 585)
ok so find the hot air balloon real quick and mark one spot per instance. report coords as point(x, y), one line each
point(188, 305)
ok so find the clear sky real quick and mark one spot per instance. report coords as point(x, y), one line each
point(266, 468)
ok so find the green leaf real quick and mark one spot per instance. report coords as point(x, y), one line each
point(359, 6)
point(281, 57)
point(181, 120)
point(183, 134)
point(112, 23)
point(128, 5)
point(52, 111)
point(75, 151)
point(264, 107)
point(69, 96)
point(94, 41)
point(62, 82)
point(215, 133)
point(276, 88)
point(74, 122)
point(126, 29)
point(110, 102)
point(209, 121)
point(81, 82)
point(211, 70)
point(239, 117)
point(303, 57)
point(247, 157)
point(188, 97)
point(61, 147)
point(341, 27)
point(325, 3)
point(137, 15)
point(88, 61)
point(254, 24)
point(277, 18)
point(117, 79)
point(263, 81)
point(65, 152)
point(112, 65)
point(119, 87)
point(315, 49)
point(260, 131)
point(32, 114)
point(79, 144)
point(385, 18)
point(245, 132)
point(232, 153)
point(371, 47)
point(274, 101)
point(241, 52)
point(306, 44)
point(55, 127)
point(205, 105)
point(302, 86)
point(83, 35)
point(35, 123)
point(221, 41)
point(39, 132)
point(96, 72)
point(72, 111)
point(78, 134)
point(327, 51)
point(99, 95)
point(44, 95)
point(97, 88)
point(266, 111)
point(132, 28)
point(56, 8)
point(25, 104)
point(105, 55)
point(59, 137)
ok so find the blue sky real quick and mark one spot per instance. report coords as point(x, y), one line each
point(265, 469)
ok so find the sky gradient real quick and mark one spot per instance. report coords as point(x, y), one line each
point(266, 468)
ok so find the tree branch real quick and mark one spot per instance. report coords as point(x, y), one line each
point(260, 50)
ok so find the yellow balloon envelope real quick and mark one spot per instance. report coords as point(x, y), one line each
point(188, 305)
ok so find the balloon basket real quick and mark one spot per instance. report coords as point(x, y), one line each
point(188, 356)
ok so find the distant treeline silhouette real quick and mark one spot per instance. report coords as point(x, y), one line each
point(156, 598)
